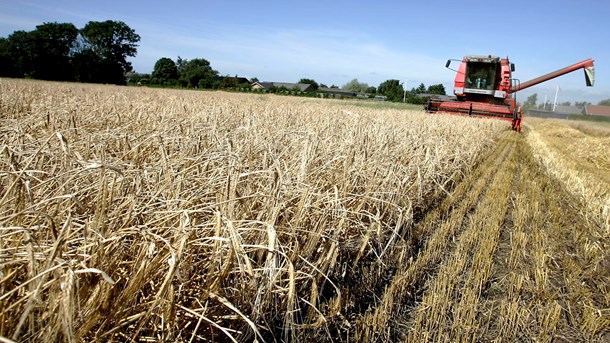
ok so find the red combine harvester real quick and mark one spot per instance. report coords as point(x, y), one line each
point(484, 87)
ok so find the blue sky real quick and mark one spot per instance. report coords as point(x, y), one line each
point(336, 41)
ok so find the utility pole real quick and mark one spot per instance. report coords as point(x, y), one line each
point(555, 103)
point(544, 104)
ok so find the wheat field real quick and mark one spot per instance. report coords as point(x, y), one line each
point(156, 215)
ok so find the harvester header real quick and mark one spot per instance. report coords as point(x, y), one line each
point(484, 87)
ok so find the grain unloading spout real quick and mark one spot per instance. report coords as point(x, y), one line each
point(590, 75)
point(587, 65)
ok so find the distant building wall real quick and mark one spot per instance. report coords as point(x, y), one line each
point(546, 114)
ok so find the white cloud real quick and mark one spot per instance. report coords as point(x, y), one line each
point(12, 23)
point(329, 57)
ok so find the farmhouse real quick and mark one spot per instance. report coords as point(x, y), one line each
point(597, 110)
point(337, 92)
point(560, 112)
point(562, 109)
point(301, 87)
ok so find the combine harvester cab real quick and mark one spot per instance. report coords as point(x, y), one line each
point(484, 87)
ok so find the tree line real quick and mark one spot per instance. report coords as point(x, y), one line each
point(59, 51)
point(198, 73)
point(194, 73)
point(98, 53)
point(531, 103)
point(395, 91)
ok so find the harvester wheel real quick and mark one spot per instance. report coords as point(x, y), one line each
point(518, 123)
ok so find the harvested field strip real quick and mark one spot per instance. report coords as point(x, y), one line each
point(509, 256)
point(578, 156)
point(551, 275)
point(448, 310)
point(440, 226)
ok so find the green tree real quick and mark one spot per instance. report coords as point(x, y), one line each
point(8, 67)
point(605, 102)
point(21, 46)
point(310, 82)
point(228, 82)
point(105, 46)
point(165, 71)
point(53, 43)
point(43, 53)
point(371, 90)
point(546, 106)
point(355, 86)
point(89, 67)
point(530, 102)
point(392, 89)
point(138, 78)
point(196, 73)
point(436, 89)
point(244, 85)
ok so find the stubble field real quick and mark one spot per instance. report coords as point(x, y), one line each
point(181, 216)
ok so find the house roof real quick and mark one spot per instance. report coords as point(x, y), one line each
point(597, 110)
point(238, 79)
point(337, 91)
point(263, 84)
point(568, 109)
point(303, 87)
